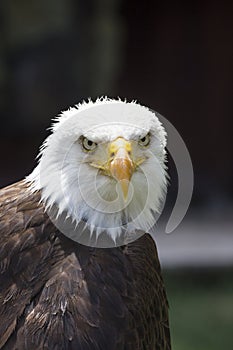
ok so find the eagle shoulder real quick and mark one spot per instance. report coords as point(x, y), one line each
point(26, 239)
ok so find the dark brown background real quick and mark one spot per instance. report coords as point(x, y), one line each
point(176, 57)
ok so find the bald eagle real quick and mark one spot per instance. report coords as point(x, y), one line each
point(77, 268)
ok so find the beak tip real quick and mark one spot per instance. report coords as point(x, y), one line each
point(125, 188)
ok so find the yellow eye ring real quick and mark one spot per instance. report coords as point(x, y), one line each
point(88, 145)
point(144, 141)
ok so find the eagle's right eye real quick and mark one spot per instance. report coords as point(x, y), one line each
point(144, 141)
point(88, 145)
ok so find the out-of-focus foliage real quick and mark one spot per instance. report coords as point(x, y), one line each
point(201, 309)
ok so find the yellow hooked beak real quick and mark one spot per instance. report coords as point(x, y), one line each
point(120, 164)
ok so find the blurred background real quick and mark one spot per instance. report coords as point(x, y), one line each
point(176, 58)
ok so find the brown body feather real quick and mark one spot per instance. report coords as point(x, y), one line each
point(58, 294)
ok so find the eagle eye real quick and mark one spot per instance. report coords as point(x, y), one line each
point(144, 141)
point(88, 145)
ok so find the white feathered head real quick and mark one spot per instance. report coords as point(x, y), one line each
point(103, 169)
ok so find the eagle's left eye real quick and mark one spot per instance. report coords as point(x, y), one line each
point(144, 141)
point(88, 145)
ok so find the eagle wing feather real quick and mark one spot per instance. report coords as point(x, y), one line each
point(58, 294)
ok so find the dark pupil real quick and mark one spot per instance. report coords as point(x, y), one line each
point(143, 139)
point(90, 143)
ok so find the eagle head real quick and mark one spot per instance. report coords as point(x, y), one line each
point(102, 171)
